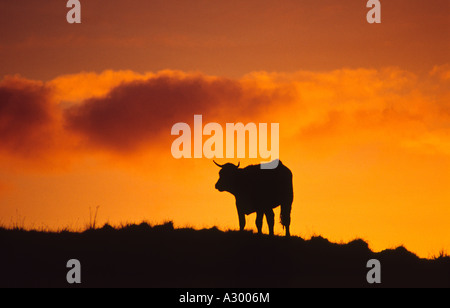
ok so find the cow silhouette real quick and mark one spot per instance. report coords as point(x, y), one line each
point(259, 190)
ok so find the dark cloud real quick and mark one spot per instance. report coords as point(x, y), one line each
point(26, 116)
point(136, 113)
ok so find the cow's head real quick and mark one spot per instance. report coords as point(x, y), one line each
point(227, 177)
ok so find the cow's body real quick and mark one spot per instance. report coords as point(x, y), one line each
point(259, 190)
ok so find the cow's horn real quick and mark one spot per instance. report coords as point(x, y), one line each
point(238, 165)
point(220, 166)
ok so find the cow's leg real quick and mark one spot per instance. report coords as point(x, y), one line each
point(241, 221)
point(286, 216)
point(288, 233)
point(259, 221)
point(270, 217)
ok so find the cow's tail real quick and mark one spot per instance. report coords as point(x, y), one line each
point(286, 207)
point(287, 195)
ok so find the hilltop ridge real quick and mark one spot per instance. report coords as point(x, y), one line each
point(162, 256)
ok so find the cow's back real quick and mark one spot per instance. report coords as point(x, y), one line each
point(268, 187)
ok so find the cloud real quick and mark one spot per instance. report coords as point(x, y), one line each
point(136, 113)
point(124, 112)
point(389, 109)
point(27, 117)
point(76, 88)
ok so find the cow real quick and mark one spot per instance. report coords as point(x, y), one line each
point(259, 190)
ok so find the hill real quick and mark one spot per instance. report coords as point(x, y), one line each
point(161, 256)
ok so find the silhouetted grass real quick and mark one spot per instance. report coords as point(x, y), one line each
point(161, 256)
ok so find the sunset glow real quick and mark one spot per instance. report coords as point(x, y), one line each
point(86, 113)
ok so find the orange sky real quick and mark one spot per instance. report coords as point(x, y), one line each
point(86, 113)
